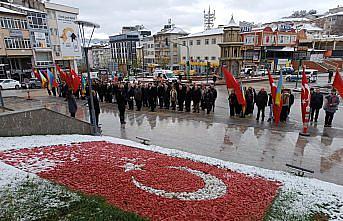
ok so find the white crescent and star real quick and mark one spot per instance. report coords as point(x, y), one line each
point(214, 188)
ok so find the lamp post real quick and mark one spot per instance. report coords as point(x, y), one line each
point(82, 25)
point(188, 64)
point(1, 99)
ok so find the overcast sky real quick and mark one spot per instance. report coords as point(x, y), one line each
point(111, 15)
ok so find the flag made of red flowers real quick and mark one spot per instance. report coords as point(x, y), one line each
point(153, 185)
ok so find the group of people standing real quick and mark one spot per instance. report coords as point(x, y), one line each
point(191, 97)
point(170, 96)
point(262, 99)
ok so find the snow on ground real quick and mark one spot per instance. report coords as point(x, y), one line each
point(310, 194)
point(19, 196)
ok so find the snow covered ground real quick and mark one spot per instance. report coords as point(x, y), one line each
point(308, 195)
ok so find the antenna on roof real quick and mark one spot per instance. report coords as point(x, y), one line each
point(209, 18)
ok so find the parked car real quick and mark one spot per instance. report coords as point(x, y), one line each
point(286, 71)
point(311, 74)
point(261, 72)
point(166, 75)
point(9, 84)
point(33, 83)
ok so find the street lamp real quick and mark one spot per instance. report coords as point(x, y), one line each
point(82, 25)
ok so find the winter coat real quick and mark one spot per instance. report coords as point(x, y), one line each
point(188, 95)
point(173, 95)
point(331, 103)
point(72, 106)
point(233, 101)
point(138, 94)
point(196, 96)
point(121, 99)
point(261, 99)
point(317, 100)
point(160, 91)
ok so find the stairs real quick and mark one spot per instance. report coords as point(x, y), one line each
point(311, 65)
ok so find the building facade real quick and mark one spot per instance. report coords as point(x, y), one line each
point(203, 48)
point(231, 48)
point(267, 47)
point(167, 48)
point(15, 45)
point(65, 39)
point(148, 53)
point(124, 50)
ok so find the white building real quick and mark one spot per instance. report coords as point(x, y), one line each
point(148, 52)
point(203, 48)
point(65, 40)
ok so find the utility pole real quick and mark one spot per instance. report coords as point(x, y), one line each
point(1, 99)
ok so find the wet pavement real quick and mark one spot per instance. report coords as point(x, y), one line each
point(216, 135)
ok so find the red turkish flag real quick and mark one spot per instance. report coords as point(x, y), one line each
point(65, 77)
point(232, 83)
point(338, 83)
point(76, 80)
point(305, 97)
point(153, 185)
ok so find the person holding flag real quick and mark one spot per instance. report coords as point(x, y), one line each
point(276, 102)
point(332, 100)
point(232, 83)
point(305, 103)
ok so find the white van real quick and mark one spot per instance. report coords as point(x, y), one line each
point(166, 75)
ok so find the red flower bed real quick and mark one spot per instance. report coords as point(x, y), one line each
point(149, 183)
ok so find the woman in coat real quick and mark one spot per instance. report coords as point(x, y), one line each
point(72, 106)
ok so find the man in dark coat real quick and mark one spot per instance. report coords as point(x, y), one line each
point(214, 96)
point(331, 106)
point(233, 102)
point(188, 98)
point(145, 95)
point(261, 103)
point(138, 97)
point(181, 95)
point(166, 95)
point(208, 100)
point(72, 106)
point(121, 101)
point(160, 93)
point(196, 99)
point(317, 100)
point(130, 96)
point(152, 97)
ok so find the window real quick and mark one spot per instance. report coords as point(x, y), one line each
point(17, 43)
point(214, 41)
point(207, 41)
point(184, 43)
point(191, 42)
point(213, 58)
point(206, 58)
point(198, 58)
point(198, 42)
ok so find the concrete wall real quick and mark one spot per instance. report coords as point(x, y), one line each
point(40, 121)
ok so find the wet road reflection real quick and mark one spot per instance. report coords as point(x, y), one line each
point(241, 144)
point(218, 136)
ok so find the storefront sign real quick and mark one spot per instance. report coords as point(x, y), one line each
point(69, 35)
point(16, 33)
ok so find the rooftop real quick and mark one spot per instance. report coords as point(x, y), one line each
point(215, 31)
point(22, 7)
point(6, 10)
